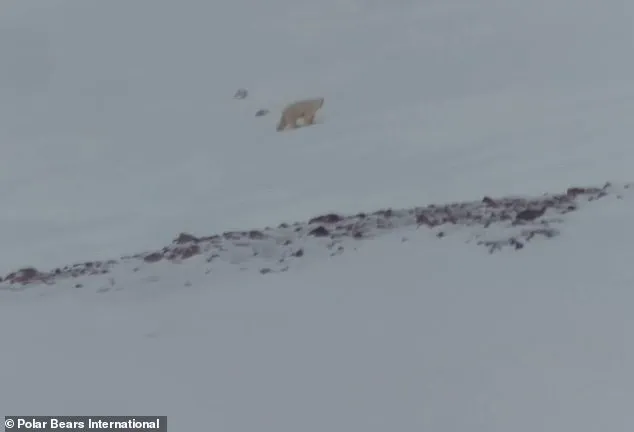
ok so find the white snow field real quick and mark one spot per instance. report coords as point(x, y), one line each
point(119, 130)
point(426, 334)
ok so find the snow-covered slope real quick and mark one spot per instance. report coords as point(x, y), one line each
point(427, 334)
point(496, 224)
point(119, 127)
point(119, 130)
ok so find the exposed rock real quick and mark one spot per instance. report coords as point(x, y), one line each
point(256, 235)
point(489, 201)
point(153, 257)
point(530, 214)
point(422, 219)
point(241, 93)
point(25, 276)
point(329, 218)
point(522, 217)
point(320, 231)
point(184, 253)
point(186, 238)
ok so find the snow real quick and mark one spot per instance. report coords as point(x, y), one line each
point(119, 125)
point(119, 130)
point(423, 334)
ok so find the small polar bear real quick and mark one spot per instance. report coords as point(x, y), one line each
point(303, 109)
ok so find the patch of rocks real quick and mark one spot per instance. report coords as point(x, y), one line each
point(241, 93)
point(28, 275)
point(520, 219)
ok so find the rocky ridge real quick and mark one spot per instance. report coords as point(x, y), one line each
point(521, 219)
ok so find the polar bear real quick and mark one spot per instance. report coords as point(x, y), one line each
point(304, 109)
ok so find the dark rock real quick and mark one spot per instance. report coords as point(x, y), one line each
point(320, 231)
point(422, 219)
point(187, 252)
point(153, 257)
point(545, 232)
point(24, 276)
point(489, 201)
point(516, 243)
point(530, 214)
point(574, 191)
point(186, 238)
point(241, 93)
point(256, 235)
point(329, 218)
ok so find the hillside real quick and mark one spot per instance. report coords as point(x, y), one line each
point(116, 140)
point(428, 333)
point(445, 250)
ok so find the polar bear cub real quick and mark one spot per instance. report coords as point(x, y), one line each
point(303, 109)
